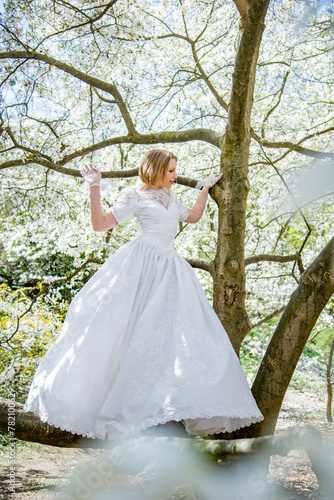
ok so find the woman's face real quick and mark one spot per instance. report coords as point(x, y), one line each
point(170, 177)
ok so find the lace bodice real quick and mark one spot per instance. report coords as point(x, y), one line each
point(156, 211)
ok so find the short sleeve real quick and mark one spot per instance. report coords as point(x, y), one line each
point(183, 209)
point(125, 206)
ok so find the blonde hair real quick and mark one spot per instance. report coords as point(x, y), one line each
point(154, 162)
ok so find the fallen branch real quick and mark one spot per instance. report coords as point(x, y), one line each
point(28, 427)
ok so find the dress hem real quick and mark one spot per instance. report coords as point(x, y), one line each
point(119, 431)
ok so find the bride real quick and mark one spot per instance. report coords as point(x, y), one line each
point(141, 345)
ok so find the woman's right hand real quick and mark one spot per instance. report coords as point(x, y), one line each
point(91, 175)
point(209, 181)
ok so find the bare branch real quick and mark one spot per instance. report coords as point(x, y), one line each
point(309, 228)
point(24, 148)
point(243, 8)
point(201, 264)
point(110, 101)
point(90, 21)
point(45, 122)
point(205, 77)
point(272, 258)
point(203, 74)
point(11, 73)
point(269, 316)
point(280, 93)
point(295, 147)
point(192, 43)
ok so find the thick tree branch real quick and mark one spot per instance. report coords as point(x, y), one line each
point(181, 136)
point(90, 80)
point(201, 264)
point(229, 288)
point(111, 174)
point(170, 136)
point(272, 258)
point(295, 147)
point(18, 162)
point(65, 170)
point(28, 427)
point(243, 8)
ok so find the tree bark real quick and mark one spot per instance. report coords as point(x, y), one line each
point(28, 427)
point(315, 288)
point(229, 274)
point(329, 383)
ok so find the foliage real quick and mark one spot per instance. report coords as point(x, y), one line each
point(20, 353)
point(311, 368)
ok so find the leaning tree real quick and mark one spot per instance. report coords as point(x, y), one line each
point(229, 79)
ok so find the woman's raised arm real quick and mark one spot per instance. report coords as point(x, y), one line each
point(196, 212)
point(100, 221)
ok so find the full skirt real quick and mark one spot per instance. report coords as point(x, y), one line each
point(141, 346)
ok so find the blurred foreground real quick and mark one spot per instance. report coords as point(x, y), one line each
point(46, 472)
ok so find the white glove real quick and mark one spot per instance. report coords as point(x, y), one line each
point(208, 181)
point(91, 175)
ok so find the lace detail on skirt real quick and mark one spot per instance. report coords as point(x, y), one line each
point(191, 420)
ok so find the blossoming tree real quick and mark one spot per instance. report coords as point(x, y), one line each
point(224, 82)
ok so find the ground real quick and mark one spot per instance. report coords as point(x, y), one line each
point(42, 471)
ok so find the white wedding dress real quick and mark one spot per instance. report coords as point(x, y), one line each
point(141, 344)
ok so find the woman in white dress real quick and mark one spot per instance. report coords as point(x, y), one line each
point(141, 345)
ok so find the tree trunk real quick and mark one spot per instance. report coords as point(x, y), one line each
point(315, 288)
point(229, 279)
